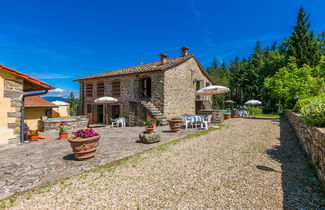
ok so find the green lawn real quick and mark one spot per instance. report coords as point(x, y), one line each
point(265, 115)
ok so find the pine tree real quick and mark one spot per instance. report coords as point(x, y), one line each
point(302, 44)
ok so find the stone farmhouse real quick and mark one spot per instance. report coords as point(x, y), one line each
point(165, 89)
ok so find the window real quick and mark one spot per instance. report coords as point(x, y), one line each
point(89, 90)
point(100, 89)
point(88, 108)
point(116, 89)
point(207, 84)
point(198, 85)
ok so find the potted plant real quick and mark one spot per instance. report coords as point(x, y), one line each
point(175, 124)
point(63, 134)
point(33, 134)
point(226, 116)
point(84, 143)
point(150, 124)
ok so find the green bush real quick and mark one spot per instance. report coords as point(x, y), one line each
point(304, 101)
point(255, 110)
point(314, 112)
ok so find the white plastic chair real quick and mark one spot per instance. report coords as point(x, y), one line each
point(113, 121)
point(205, 122)
point(186, 121)
point(120, 121)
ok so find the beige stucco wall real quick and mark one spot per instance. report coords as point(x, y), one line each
point(180, 88)
point(33, 116)
point(5, 107)
point(61, 111)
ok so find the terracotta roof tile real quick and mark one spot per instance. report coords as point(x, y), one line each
point(149, 67)
point(36, 101)
point(27, 77)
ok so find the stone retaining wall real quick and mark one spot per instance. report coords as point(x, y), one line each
point(75, 122)
point(313, 141)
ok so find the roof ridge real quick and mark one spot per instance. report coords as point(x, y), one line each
point(171, 62)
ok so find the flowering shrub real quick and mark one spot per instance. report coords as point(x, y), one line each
point(85, 133)
point(33, 132)
point(314, 112)
point(62, 128)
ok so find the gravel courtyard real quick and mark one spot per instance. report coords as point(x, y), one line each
point(249, 163)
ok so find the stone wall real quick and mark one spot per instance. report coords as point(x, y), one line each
point(313, 141)
point(75, 122)
point(129, 91)
point(180, 88)
point(11, 90)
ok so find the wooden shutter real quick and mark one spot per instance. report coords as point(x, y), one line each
point(116, 91)
point(89, 90)
point(100, 89)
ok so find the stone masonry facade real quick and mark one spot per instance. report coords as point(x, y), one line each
point(172, 92)
point(13, 89)
point(312, 140)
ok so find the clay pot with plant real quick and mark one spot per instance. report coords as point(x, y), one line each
point(33, 134)
point(84, 143)
point(175, 124)
point(63, 134)
point(150, 124)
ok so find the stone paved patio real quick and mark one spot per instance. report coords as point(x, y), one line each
point(26, 166)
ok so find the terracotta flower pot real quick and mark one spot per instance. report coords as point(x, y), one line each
point(226, 116)
point(150, 130)
point(63, 135)
point(175, 125)
point(84, 148)
point(34, 137)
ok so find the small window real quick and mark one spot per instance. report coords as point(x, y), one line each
point(207, 84)
point(89, 90)
point(88, 108)
point(198, 85)
point(116, 89)
point(100, 89)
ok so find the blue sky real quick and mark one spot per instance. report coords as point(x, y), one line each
point(57, 41)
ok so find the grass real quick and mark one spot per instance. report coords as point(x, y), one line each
point(265, 115)
point(124, 162)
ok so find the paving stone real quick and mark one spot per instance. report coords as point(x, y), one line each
point(32, 164)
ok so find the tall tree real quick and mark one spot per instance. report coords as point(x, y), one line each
point(302, 45)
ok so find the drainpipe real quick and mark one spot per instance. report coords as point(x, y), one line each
point(22, 111)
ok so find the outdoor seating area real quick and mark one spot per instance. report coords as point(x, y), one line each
point(118, 122)
point(196, 121)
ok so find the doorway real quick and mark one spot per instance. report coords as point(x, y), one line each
point(115, 111)
point(100, 109)
point(145, 88)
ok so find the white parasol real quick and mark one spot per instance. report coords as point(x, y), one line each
point(212, 90)
point(105, 100)
point(253, 102)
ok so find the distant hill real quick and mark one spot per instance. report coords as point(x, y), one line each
point(52, 98)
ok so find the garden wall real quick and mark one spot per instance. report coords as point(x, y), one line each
point(313, 141)
point(75, 122)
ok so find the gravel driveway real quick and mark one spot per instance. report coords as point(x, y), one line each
point(249, 163)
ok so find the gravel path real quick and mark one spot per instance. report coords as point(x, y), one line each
point(249, 163)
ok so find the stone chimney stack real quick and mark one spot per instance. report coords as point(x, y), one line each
point(184, 51)
point(163, 58)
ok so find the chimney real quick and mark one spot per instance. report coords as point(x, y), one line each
point(184, 51)
point(163, 58)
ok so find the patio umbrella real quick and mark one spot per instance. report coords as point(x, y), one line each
point(212, 90)
point(230, 102)
point(105, 100)
point(252, 103)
